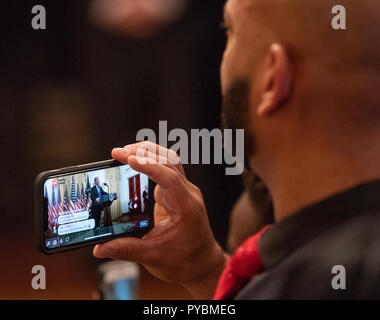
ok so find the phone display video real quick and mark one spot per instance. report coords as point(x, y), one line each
point(92, 206)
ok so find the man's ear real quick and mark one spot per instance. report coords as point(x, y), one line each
point(275, 86)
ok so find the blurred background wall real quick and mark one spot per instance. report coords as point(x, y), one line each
point(72, 92)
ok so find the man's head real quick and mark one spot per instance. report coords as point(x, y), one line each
point(96, 181)
point(294, 83)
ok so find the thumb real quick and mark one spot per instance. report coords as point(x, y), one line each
point(129, 249)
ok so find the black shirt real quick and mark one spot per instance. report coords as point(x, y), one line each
point(300, 251)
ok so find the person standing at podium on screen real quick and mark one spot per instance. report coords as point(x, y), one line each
point(96, 194)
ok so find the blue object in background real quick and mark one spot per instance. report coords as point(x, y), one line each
point(123, 289)
point(143, 223)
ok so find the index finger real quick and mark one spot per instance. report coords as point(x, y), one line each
point(149, 147)
point(159, 173)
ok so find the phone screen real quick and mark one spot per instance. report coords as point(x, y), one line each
point(95, 204)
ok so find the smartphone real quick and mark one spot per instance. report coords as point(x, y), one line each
point(92, 203)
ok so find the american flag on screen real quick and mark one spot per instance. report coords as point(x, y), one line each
point(46, 195)
point(66, 201)
point(54, 204)
point(50, 215)
point(83, 198)
point(78, 202)
point(60, 203)
point(72, 196)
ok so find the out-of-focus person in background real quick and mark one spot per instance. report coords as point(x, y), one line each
point(252, 211)
point(136, 18)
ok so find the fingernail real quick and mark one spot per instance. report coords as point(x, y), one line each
point(103, 251)
point(121, 150)
point(98, 251)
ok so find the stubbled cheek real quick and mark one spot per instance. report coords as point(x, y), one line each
point(224, 73)
point(228, 66)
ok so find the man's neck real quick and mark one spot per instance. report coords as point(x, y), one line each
point(298, 182)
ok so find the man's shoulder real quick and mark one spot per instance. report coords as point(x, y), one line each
point(308, 271)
